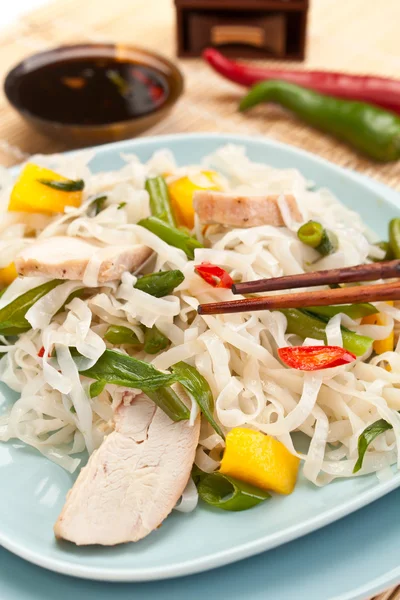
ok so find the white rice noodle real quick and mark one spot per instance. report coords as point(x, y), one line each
point(41, 313)
point(189, 498)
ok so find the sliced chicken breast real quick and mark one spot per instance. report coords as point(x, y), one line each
point(65, 257)
point(133, 481)
point(233, 210)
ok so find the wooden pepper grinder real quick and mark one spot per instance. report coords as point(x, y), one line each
point(243, 28)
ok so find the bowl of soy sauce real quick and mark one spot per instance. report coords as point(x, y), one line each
point(88, 94)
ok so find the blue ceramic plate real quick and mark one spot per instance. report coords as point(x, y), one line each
point(353, 559)
point(33, 489)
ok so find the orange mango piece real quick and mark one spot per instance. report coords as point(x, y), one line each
point(380, 346)
point(181, 194)
point(29, 195)
point(260, 460)
point(8, 274)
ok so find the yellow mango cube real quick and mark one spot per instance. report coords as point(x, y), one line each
point(260, 460)
point(8, 274)
point(181, 194)
point(380, 346)
point(30, 195)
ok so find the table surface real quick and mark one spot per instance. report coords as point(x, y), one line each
point(357, 36)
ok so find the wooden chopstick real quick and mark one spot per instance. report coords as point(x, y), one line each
point(379, 270)
point(364, 293)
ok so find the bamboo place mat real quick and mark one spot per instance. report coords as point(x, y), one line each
point(350, 35)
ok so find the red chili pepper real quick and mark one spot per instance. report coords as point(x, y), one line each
point(382, 91)
point(313, 358)
point(41, 353)
point(214, 275)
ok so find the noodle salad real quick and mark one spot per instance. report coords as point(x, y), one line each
point(102, 274)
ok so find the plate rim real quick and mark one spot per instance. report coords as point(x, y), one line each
point(250, 548)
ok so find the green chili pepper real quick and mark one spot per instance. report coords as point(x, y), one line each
point(160, 284)
point(394, 237)
point(315, 235)
point(228, 493)
point(370, 129)
point(199, 388)
point(121, 369)
point(367, 437)
point(64, 186)
point(170, 403)
point(385, 246)
point(160, 205)
point(12, 316)
point(354, 311)
point(118, 334)
point(171, 235)
point(305, 325)
point(154, 340)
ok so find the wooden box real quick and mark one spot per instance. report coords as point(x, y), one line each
point(243, 28)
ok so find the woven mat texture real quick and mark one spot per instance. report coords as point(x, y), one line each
point(355, 36)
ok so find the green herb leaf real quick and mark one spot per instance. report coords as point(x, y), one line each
point(160, 284)
point(198, 387)
point(64, 186)
point(228, 493)
point(96, 388)
point(121, 205)
point(98, 204)
point(170, 403)
point(118, 334)
point(154, 340)
point(171, 235)
point(12, 316)
point(121, 369)
point(367, 437)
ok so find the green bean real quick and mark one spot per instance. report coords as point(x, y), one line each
point(12, 316)
point(394, 237)
point(118, 334)
point(229, 493)
point(154, 340)
point(160, 284)
point(305, 325)
point(160, 205)
point(171, 235)
point(313, 234)
point(385, 246)
point(354, 311)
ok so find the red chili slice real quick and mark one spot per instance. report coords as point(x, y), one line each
point(214, 275)
point(41, 353)
point(313, 358)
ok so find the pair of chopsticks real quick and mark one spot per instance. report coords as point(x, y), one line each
point(350, 295)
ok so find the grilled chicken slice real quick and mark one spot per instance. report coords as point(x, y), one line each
point(133, 481)
point(65, 257)
point(233, 210)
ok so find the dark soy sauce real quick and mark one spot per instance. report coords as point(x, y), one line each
point(92, 91)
